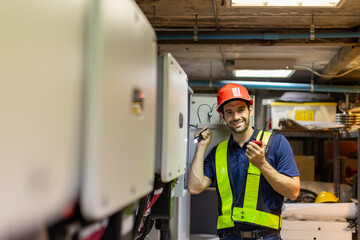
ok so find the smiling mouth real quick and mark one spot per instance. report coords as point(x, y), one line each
point(237, 123)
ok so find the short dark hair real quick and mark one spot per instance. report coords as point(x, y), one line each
point(221, 108)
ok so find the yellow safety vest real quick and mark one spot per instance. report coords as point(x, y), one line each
point(245, 210)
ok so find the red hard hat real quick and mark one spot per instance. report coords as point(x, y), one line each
point(232, 91)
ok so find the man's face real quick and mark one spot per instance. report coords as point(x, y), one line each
point(237, 116)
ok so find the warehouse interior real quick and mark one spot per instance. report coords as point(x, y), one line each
point(101, 100)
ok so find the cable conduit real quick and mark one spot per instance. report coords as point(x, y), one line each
point(266, 36)
point(284, 86)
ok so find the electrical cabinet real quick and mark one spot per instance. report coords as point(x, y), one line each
point(41, 76)
point(172, 119)
point(120, 125)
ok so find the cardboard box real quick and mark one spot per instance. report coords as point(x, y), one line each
point(306, 166)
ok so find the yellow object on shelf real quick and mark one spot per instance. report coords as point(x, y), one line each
point(312, 112)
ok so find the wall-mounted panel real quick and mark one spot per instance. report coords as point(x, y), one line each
point(41, 76)
point(121, 108)
point(172, 123)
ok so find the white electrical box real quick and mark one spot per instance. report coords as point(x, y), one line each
point(172, 121)
point(121, 109)
point(41, 76)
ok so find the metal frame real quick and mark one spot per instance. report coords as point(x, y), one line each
point(356, 135)
point(335, 135)
point(358, 180)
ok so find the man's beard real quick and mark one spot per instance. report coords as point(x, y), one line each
point(242, 129)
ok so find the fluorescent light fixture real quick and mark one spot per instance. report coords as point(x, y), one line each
point(276, 73)
point(264, 63)
point(284, 3)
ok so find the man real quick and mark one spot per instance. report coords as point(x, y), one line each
point(251, 178)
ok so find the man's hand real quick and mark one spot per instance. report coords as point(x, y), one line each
point(287, 186)
point(205, 139)
point(256, 154)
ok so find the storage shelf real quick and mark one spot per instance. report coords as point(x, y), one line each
point(312, 134)
point(350, 134)
point(335, 135)
point(307, 133)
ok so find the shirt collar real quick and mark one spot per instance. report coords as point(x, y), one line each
point(253, 136)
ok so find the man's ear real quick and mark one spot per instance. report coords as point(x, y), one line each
point(222, 116)
point(251, 110)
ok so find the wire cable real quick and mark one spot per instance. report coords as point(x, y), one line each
point(142, 206)
point(148, 225)
point(326, 75)
point(212, 108)
point(204, 104)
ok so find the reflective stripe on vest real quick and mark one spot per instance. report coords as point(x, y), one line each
point(248, 213)
point(225, 192)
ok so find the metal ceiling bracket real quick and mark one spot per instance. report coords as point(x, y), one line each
point(224, 61)
point(312, 85)
point(195, 35)
point(154, 16)
point(312, 28)
point(216, 16)
point(312, 79)
point(211, 75)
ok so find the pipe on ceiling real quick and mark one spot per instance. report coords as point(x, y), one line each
point(266, 36)
point(284, 86)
